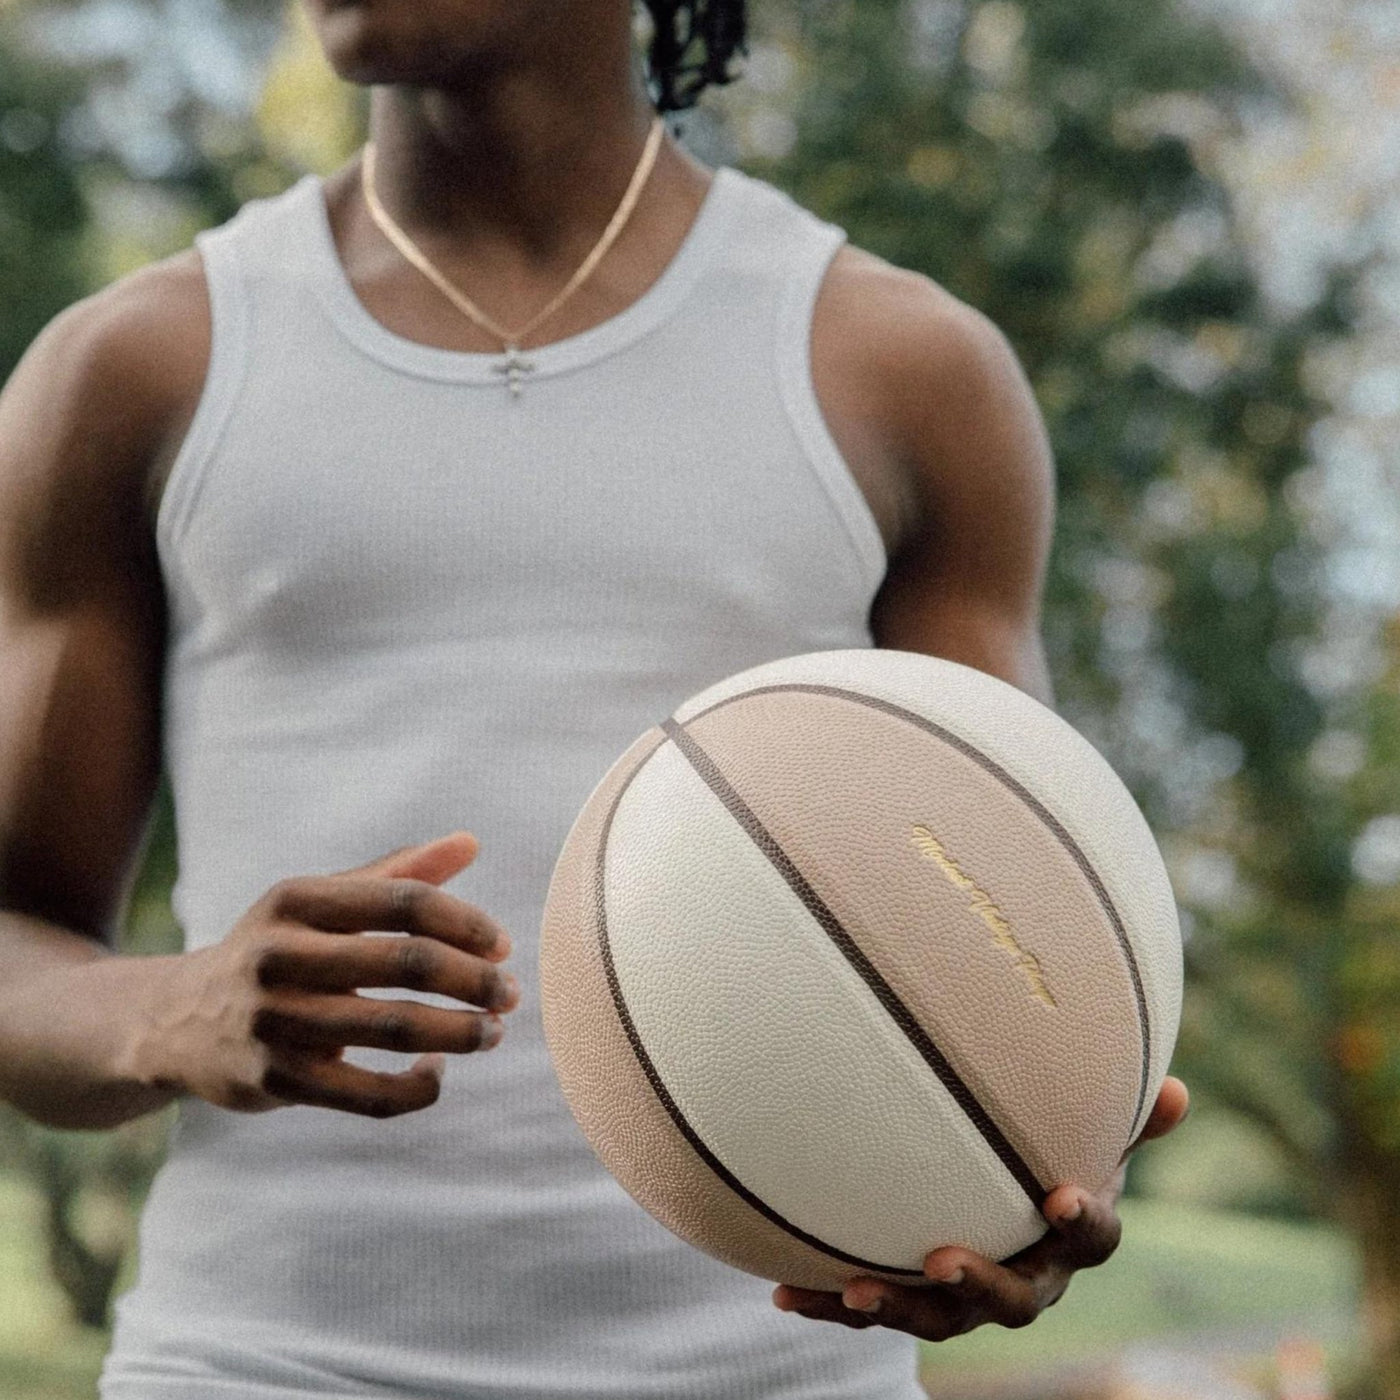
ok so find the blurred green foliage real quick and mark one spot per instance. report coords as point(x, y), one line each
point(42, 210)
point(1055, 164)
point(1052, 164)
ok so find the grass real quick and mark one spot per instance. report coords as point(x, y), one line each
point(1181, 1270)
point(44, 1354)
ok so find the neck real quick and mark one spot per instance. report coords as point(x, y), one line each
point(525, 153)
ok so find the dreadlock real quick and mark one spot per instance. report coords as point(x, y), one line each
point(692, 44)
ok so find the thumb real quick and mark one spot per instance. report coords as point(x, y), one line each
point(1172, 1105)
point(434, 861)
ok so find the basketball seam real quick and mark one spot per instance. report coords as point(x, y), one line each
point(1038, 808)
point(658, 1085)
point(886, 995)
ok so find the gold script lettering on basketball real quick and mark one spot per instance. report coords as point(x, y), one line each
point(857, 954)
point(985, 908)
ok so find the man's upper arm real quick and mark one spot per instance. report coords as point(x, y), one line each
point(82, 420)
point(958, 418)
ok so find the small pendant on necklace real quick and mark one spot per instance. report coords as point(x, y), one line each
point(514, 367)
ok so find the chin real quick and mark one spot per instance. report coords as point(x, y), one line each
point(417, 41)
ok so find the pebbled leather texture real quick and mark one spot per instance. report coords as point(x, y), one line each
point(767, 1106)
point(1048, 757)
point(996, 941)
point(777, 1053)
point(608, 1093)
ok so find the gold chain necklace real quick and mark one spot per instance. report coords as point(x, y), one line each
point(514, 366)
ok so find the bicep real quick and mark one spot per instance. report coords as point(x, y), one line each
point(967, 581)
point(81, 629)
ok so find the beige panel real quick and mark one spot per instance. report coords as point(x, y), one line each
point(967, 905)
point(1051, 759)
point(614, 1104)
point(777, 1052)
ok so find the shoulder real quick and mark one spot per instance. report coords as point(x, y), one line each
point(963, 451)
point(100, 399)
point(927, 384)
point(919, 350)
point(127, 352)
point(134, 338)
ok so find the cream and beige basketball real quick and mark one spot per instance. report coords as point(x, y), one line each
point(858, 954)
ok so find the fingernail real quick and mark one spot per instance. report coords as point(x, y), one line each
point(945, 1272)
point(871, 1305)
point(781, 1300)
point(491, 1036)
point(507, 991)
point(1073, 1213)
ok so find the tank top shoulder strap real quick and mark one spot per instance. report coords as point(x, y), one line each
point(264, 236)
point(795, 248)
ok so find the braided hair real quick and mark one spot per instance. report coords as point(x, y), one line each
point(692, 44)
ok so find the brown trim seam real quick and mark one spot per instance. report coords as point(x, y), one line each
point(900, 1014)
point(658, 1085)
point(1047, 817)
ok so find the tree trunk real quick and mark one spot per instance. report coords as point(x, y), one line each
point(1371, 1209)
point(85, 1275)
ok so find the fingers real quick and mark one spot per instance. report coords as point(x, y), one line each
point(820, 1307)
point(933, 1315)
point(1084, 1232)
point(315, 963)
point(356, 903)
point(326, 1082)
point(1172, 1105)
point(1085, 1229)
point(970, 1290)
point(329, 1023)
point(977, 1292)
point(433, 861)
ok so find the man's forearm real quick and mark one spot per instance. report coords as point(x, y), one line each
point(67, 1018)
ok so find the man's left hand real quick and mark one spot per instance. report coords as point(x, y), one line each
point(971, 1290)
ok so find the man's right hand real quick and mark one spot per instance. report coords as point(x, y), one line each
point(261, 1019)
point(90, 423)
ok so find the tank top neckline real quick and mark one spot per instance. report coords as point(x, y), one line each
point(353, 319)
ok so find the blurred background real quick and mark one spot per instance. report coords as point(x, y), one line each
point(1186, 216)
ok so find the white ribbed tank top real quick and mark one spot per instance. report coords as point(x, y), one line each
point(402, 602)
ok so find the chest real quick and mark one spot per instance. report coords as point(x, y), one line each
point(383, 512)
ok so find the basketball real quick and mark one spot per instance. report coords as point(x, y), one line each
point(858, 954)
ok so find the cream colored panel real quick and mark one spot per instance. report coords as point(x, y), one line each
point(617, 1109)
point(776, 1052)
point(965, 902)
point(1048, 757)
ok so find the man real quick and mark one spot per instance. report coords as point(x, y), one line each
point(307, 514)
